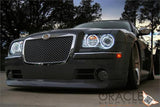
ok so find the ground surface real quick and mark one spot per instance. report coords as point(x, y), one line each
point(38, 97)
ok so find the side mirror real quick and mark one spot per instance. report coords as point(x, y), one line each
point(144, 31)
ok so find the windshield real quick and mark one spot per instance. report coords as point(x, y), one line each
point(107, 25)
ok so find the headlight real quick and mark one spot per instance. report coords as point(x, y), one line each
point(107, 41)
point(92, 40)
point(16, 48)
point(104, 41)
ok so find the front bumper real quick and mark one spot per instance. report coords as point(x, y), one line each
point(80, 71)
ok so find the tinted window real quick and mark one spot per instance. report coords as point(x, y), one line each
point(156, 33)
point(107, 25)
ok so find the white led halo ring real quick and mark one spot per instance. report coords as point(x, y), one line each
point(95, 44)
point(108, 36)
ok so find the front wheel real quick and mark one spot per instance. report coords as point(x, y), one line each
point(134, 69)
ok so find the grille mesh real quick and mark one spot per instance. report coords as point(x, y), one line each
point(48, 51)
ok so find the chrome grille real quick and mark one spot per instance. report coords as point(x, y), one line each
point(52, 50)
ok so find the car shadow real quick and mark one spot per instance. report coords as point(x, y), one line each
point(79, 91)
point(70, 90)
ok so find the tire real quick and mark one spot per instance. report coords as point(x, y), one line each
point(151, 75)
point(134, 69)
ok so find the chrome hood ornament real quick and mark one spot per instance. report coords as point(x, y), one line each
point(46, 36)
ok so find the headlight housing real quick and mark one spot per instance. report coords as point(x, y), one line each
point(107, 41)
point(92, 41)
point(104, 41)
point(16, 48)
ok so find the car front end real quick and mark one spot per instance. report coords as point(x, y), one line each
point(74, 58)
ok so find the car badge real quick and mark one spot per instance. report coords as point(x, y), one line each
point(46, 36)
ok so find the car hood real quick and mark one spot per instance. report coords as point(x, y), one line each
point(78, 31)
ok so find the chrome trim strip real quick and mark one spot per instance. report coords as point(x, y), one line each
point(91, 53)
point(10, 57)
point(52, 36)
point(138, 75)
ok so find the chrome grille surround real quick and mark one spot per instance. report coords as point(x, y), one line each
point(52, 36)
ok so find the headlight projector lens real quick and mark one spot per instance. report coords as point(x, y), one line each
point(92, 40)
point(107, 41)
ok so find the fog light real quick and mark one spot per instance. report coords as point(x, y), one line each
point(9, 75)
point(102, 75)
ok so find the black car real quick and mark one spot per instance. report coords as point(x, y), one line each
point(100, 54)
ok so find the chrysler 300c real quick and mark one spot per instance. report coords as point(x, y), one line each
point(100, 54)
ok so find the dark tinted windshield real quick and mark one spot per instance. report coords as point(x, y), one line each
point(106, 25)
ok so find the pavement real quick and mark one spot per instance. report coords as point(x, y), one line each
point(47, 97)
